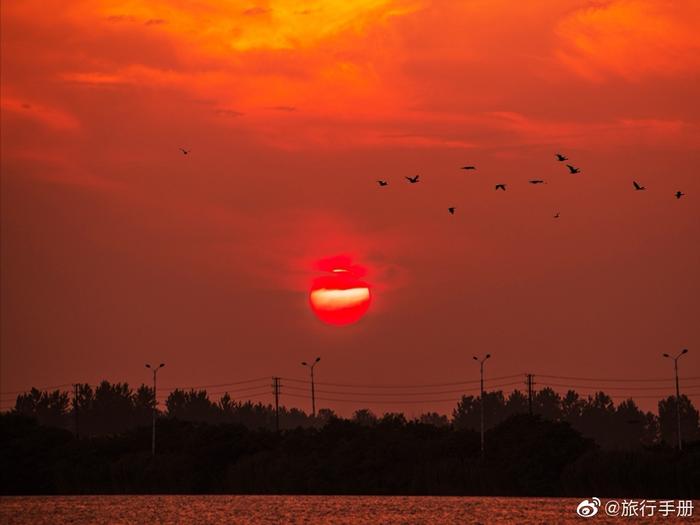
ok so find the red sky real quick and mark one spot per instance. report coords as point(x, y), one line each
point(117, 249)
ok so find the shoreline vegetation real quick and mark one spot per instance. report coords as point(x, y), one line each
point(569, 447)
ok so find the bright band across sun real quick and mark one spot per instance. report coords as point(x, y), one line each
point(339, 299)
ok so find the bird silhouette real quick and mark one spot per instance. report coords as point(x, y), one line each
point(468, 167)
point(413, 180)
point(556, 215)
point(637, 186)
point(561, 158)
point(679, 194)
point(573, 169)
point(451, 209)
point(382, 182)
point(185, 151)
point(501, 187)
point(536, 181)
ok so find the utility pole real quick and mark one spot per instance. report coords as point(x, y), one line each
point(155, 402)
point(313, 393)
point(75, 411)
point(529, 384)
point(678, 395)
point(276, 393)
point(481, 397)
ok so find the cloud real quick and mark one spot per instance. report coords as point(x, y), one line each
point(601, 134)
point(49, 116)
point(256, 11)
point(93, 78)
point(228, 113)
point(278, 25)
point(632, 38)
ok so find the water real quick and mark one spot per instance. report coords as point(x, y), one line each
point(307, 510)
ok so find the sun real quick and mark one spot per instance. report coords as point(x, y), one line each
point(339, 297)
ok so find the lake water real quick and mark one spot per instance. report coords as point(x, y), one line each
point(220, 510)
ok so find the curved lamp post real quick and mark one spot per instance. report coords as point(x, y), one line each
point(678, 395)
point(313, 393)
point(155, 371)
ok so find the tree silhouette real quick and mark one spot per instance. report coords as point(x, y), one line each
point(192, 406)
point(516, 403)
point(571, 406)
point(467, 414)
point(113, 408)
point(324, 415)
point(628, 427)
point(547, 403)
point(668, 422)
point(365, 417)
point(434, 419)
point(49, 408)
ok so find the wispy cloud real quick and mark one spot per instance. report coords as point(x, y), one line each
point(53, 117)
point(631, 38)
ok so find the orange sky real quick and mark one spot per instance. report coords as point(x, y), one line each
point(117, 249)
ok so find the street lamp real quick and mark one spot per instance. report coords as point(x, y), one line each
point(481, 366)
point(155, 401)
point(313, 394)
point(678, 395)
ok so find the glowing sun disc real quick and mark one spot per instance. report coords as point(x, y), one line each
point(340, 297)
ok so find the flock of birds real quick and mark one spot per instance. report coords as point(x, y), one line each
point(573, 170)
point(502, 187)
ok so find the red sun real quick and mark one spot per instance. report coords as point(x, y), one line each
point(339, 297)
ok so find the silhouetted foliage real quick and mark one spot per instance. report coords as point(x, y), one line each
point(113, 408)
point(668, 425)
point(434, 419)
point(365, 417)
point(48, 408)
point(525, 455)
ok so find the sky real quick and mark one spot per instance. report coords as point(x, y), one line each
point(118, 250)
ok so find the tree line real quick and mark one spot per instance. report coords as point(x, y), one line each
point(114, 408)
point(525, 456)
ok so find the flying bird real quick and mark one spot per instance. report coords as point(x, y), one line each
point(536, 181)
point(573, 169)
point(501, 187)
point(185, 151)
point(451, 209)
point(637, 186)
point(679, 194)
point(382, 182)
point(413, 180)
point(556, 215)
point(561, 158)
point(468, 167)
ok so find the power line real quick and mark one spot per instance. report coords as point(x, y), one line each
point(635, 396)
point(40, 389)
point(230, 391)
point(405, 393)
point(660, 380)
point(614, 387)
point(379, 402)
point(169, 388)
point(8, 398)
point(265, 391)
point(216, 385)
point(424, 385)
